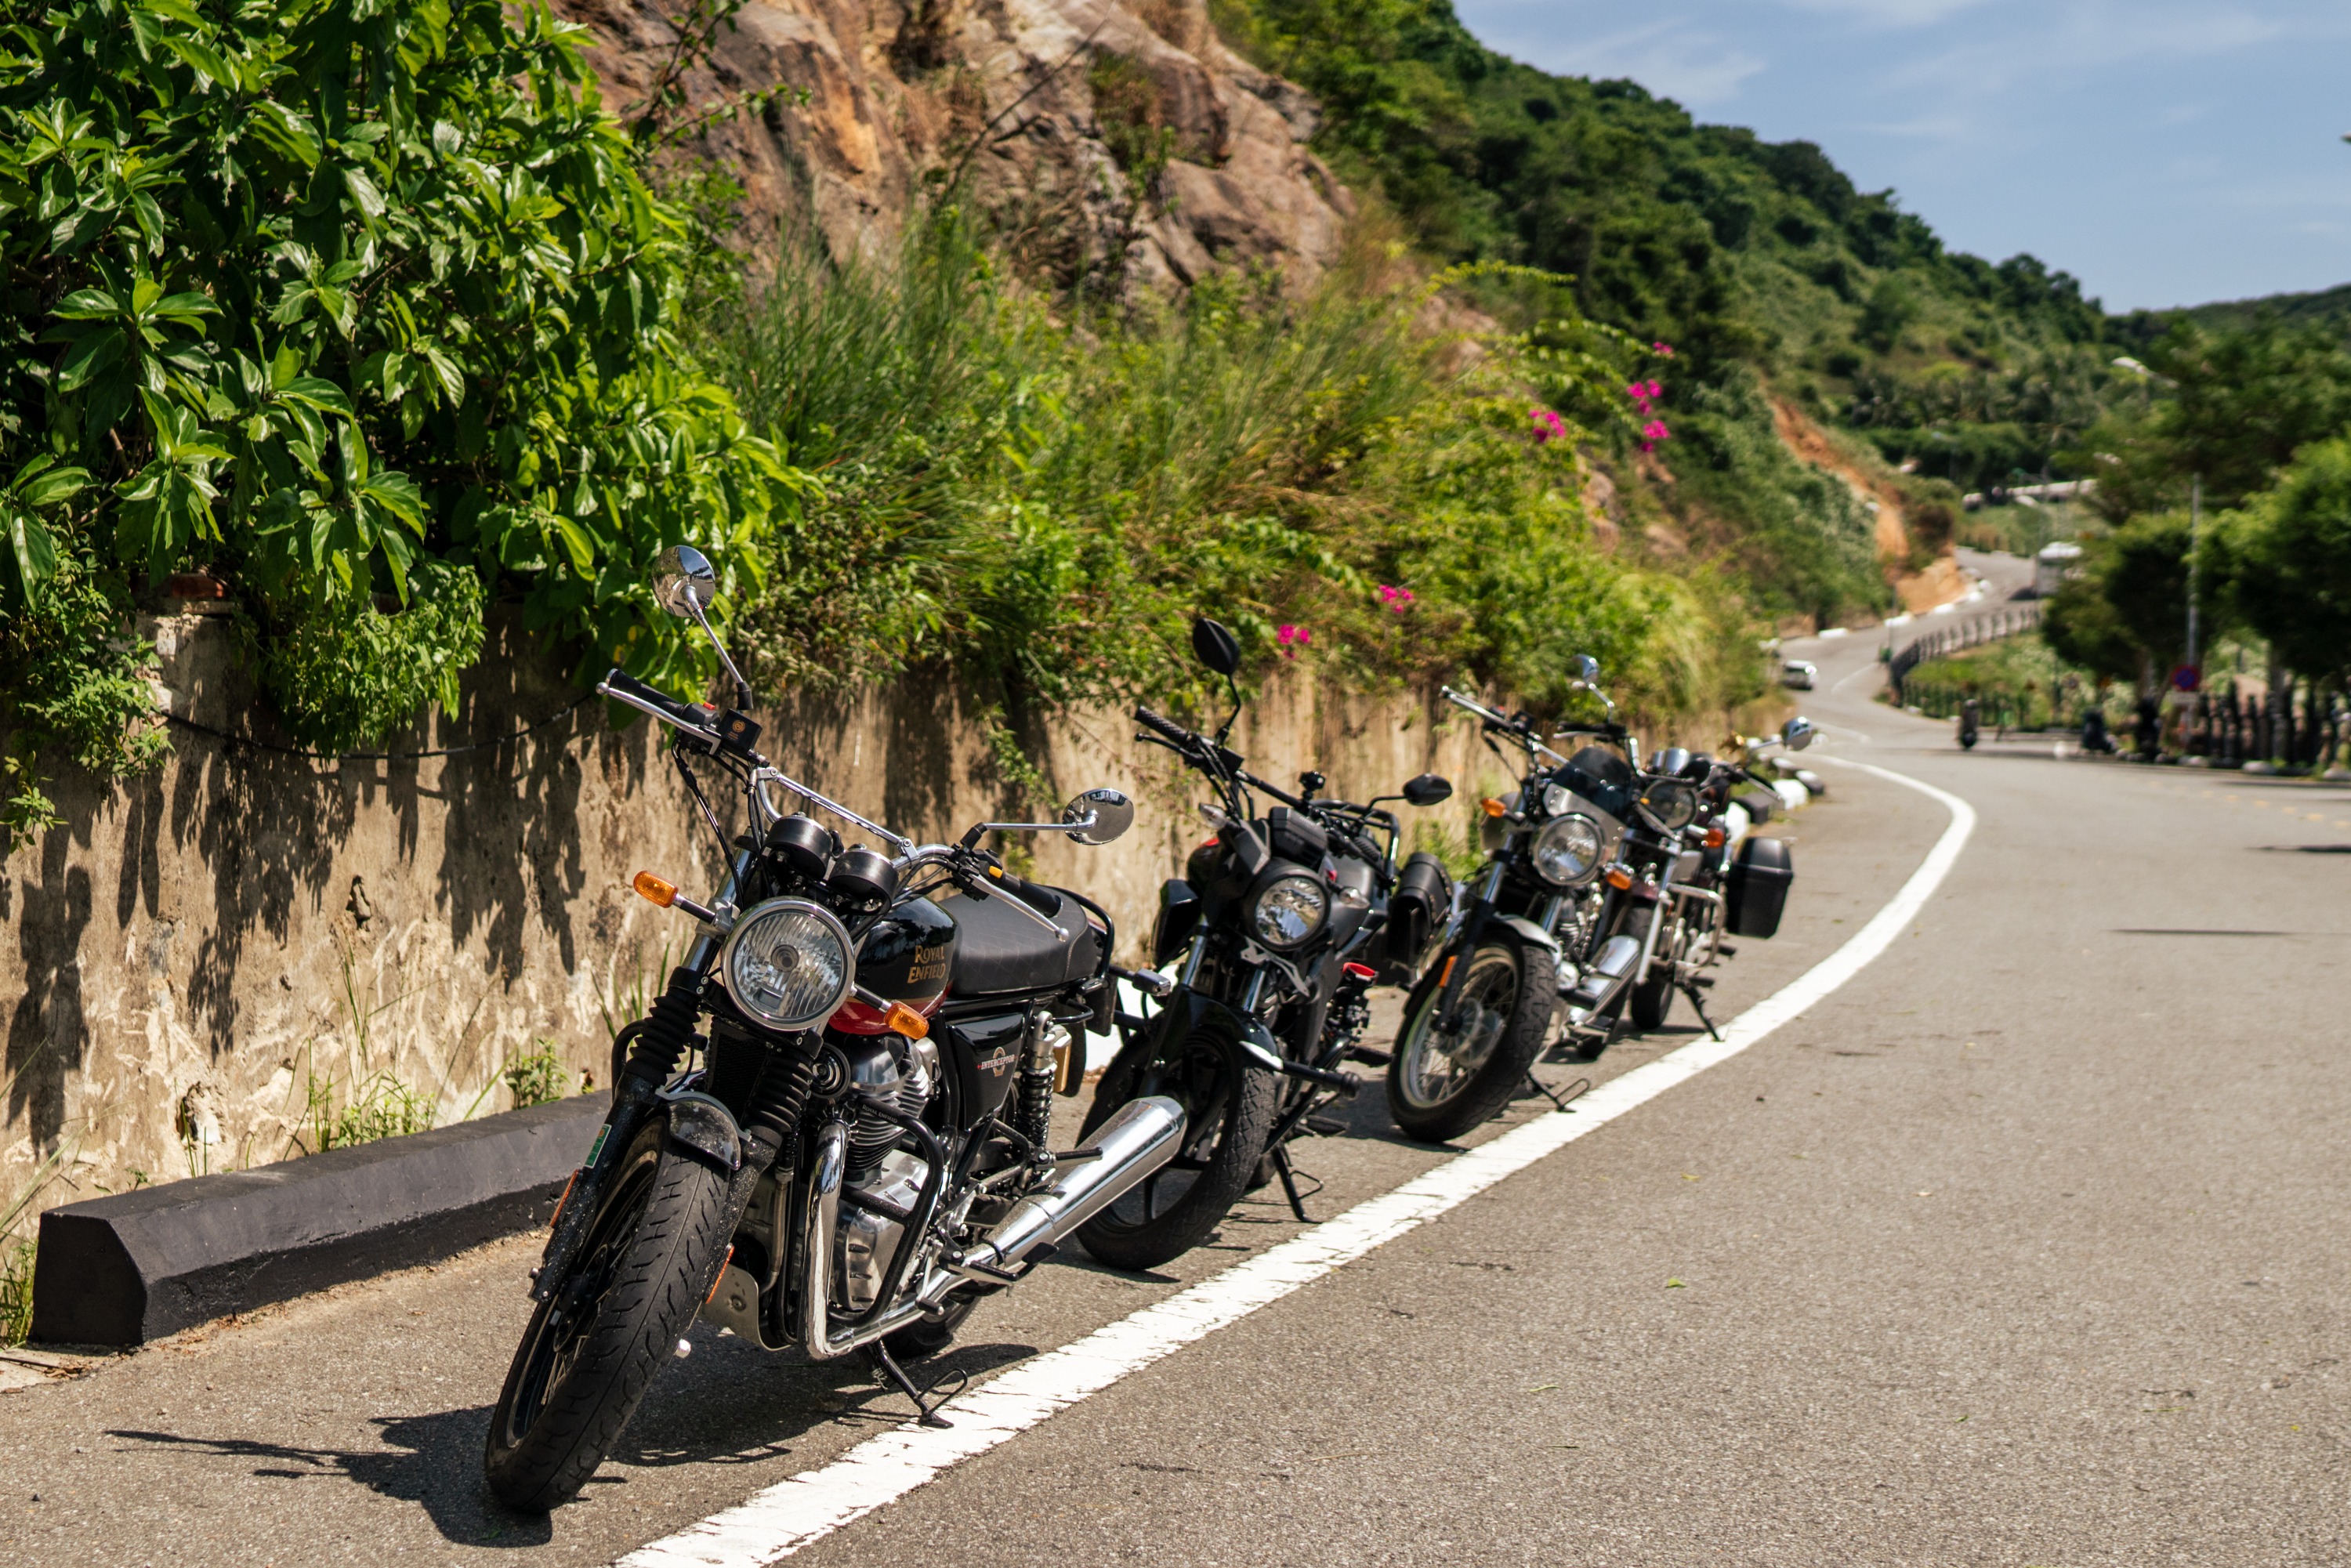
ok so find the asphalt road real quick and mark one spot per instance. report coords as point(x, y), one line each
point(2016, 1250)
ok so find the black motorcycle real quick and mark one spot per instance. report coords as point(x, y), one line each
point(831, 1130)
point(1689, 887)
point(1478, 1019)
point(1282, 920)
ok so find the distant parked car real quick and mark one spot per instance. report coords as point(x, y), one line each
point(1799, 673)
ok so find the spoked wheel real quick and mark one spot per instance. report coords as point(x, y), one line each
point(1441, 1084)
point(592, 1347)
point(1228, 1114)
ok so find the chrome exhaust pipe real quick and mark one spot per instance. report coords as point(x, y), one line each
point(1139, 1138)
point(825, 1177)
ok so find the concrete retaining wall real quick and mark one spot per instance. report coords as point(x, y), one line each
point(198, 954)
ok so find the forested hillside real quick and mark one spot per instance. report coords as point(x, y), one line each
point(1761, 262)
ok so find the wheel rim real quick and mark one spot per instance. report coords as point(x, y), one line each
point(557, 1333)
point(1433, 1065)
point(1201, 1081)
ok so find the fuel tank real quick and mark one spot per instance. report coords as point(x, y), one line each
point(907, 957)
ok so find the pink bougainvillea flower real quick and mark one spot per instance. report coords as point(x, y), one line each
point(1663, 350)
point(1291, 639)
point(1396, 598)
point(1549, 426)
point(1653, 433)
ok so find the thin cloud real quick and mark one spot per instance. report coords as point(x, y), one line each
point(1670, 57)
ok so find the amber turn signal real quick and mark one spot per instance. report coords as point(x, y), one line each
point(1619, 878)
point(905, 1020)
point(1494, 808)
point(1714, 837)
point(652, 887)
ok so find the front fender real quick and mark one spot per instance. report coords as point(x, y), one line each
point(1255, 1040)
point(1526, 931)
point(704, 1127)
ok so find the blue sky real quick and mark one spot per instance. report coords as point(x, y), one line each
point(2164, 151)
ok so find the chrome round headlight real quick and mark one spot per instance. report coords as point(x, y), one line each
point(1567, 851)
point(788, 964)
point(1289, 910)
point(1668, 805)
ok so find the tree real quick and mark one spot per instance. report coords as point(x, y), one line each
point(2289, 554)
point(2126, 615)
point(2238, 405)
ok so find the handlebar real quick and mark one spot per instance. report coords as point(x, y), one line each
point(1043, 899)
point(1149, 720)
point(622, 687)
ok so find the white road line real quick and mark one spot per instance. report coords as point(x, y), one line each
point(802, 1508)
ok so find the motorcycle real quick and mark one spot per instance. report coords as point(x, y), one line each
point(1282, 921)
point(831, 1130)
point(1478, 1016)
point(1710, 881)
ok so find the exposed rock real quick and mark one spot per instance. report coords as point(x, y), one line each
point(1109, 140)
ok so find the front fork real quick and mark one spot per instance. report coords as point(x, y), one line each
point(1473, 927)
point(660, 1045)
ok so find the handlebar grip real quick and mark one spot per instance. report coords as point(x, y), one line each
point(1149, 720)
point(686, 714)
point(1045, 900)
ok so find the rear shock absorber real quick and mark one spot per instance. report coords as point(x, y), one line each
point(1032, 1114)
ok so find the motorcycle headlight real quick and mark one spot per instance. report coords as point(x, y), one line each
point(1567, 851)
point(788, 964)
point(1289, 910)
point(1668, 805)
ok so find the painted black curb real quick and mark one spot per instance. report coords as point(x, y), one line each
point(134, 1267)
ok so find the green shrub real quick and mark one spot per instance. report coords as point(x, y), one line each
point(322, 293)
point(536, 1079)
point(1045, 494)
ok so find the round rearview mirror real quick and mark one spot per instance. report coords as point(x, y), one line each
point(1585, 667)
point(1427, 789)
point(1216, 647)
point(1797, 733)
point(684, 581)
point(1107, 814)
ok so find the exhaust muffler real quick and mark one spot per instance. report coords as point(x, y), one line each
point(1140, 1137)
point(1603, 977)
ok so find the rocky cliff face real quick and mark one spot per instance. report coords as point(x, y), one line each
point(1121, 142)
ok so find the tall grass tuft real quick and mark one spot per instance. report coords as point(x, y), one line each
point(1043, 490)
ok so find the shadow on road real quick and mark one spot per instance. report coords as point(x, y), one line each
point(434, 1461)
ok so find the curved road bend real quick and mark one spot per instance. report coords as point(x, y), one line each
point(2019, 1249)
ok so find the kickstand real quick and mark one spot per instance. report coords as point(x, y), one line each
point(887, 1365)
point(1289, 1182)
point(1536, 1085)
point(1699, 1006)
point(1576, 1091)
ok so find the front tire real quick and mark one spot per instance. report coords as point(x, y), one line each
point(592, 1347)
point(1229, 1108)
point(1441, 1086)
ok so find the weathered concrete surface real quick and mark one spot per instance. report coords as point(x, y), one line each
point(196, 958)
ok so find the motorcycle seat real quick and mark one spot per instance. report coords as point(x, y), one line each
point(1000, 949)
